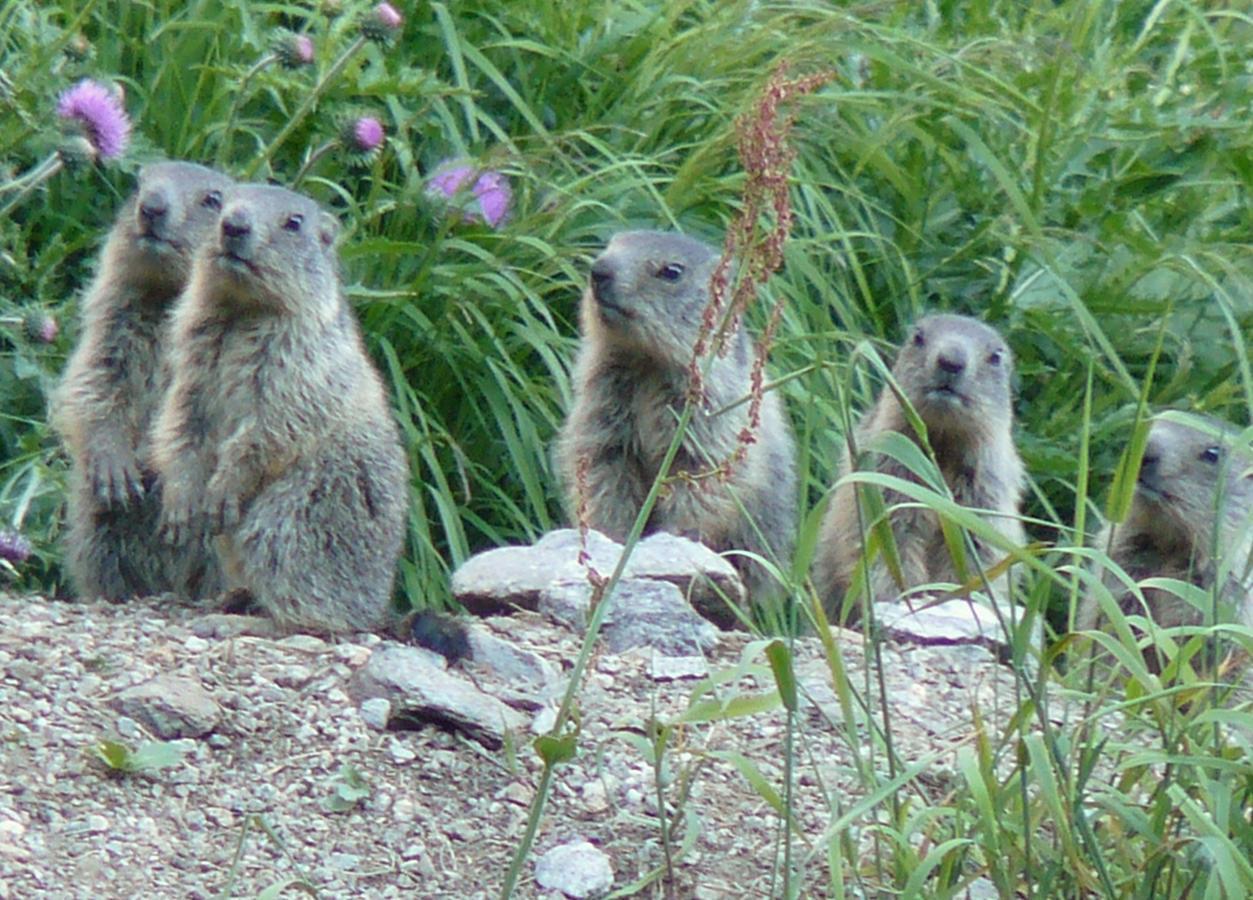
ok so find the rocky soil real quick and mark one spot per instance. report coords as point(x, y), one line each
point(293, 777)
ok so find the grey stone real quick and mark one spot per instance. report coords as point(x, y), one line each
point(509, 662)
point(420, 690)
point(672, 668)
point(641, 613)
point(170, 706)
point(376, 712)
point(959, 621)
point(577, 869)
point(507, 577)
point(645, 613)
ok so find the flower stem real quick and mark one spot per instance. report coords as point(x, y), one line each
point(228, 132)
point(24, 184)
point(303, 110)
point(312, 161)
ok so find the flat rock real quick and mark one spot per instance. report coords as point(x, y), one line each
point(577, 869)
point(948, 622)
point(641, 613)
point(170, 706)
point(507, 577)
point(420, 689)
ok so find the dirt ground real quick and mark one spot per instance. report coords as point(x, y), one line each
point(437, 815)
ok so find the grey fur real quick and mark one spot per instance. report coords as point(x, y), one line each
point(276, 431)
point(112, 387)
point(1178, 516)
point(630, 384)
point(972, 436)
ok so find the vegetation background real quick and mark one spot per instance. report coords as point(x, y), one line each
point(1075, 173)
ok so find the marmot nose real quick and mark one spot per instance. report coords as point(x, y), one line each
point(602, 278)
point(235, 224)
point(1148, 462)
point(153, 206)
point(951, 361)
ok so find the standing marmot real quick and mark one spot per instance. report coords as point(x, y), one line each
point(955, 372)
point(640, 318)
point(1194, 493)
point(112, 386)
point(276, 430)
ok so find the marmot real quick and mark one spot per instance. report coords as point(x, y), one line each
point(276, 431)
point(112, 388)
point(640, 317)
point(1194, 493)
point(955, 372)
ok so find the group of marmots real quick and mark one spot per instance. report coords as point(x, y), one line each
point(228, 433)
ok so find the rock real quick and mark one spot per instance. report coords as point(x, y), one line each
point(170, 706)
point(948, 622)
point(420, 690)
point(507, 577)
point(672, 668)
point(376, 712)
point(509, 662)
point(576, 869)
point(641, 613)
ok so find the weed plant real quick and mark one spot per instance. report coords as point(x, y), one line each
point(1076, 174)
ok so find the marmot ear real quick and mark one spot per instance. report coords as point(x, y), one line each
point(328, 229)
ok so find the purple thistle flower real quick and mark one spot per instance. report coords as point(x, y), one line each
point(13, 547)
point(367, 134)
point(99, 113)
point(490, 190)
point(388, 16)
point(382, 23)
point(293, 50)
point(41, 327)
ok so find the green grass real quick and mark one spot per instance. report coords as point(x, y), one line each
point(1076, 174)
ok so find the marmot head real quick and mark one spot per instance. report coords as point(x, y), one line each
point(274, 251)
point(174, 208)
point(1191, 476)
point(647, 294)
point(956, 372)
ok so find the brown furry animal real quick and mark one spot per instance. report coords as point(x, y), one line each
point(640, 317)
point(1194, 496)
point(112, 389)
point(276, 432)
point(955, 372)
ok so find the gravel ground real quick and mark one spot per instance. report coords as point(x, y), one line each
point(247, 805)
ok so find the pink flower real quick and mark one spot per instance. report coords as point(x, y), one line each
point(382, 23)
point(367, 134)
point(388, 16)
point(99, 113)
point(304, 48)
point(42, 327)
point(490, 190)
point(14, 547)
point(293, 50)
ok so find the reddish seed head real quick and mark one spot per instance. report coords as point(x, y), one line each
point(490, 190)
point(98, 112)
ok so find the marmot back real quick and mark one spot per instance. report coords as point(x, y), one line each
point(1194, 494)
point(112, 388)
point(956, 373)
point(276, 433)
point(641, 316)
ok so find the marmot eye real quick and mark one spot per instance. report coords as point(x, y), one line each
point(670, 272)
point(919, 340)
point(995, 357)
point(294, 222)
point(1212, 454)
point(212, 200)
